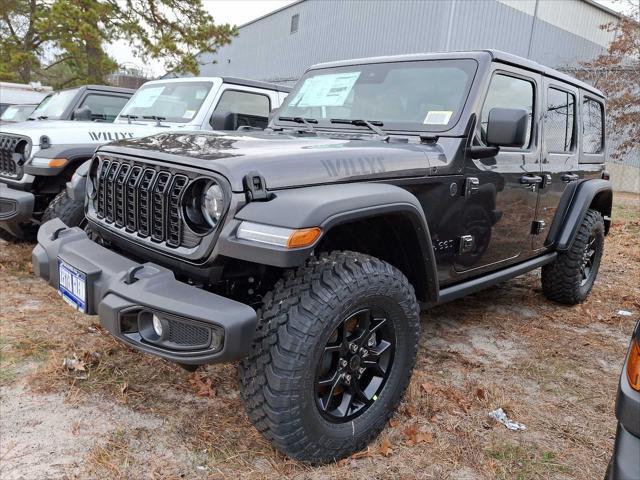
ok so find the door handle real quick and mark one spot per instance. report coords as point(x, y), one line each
point(530, 180)
point(569, 177)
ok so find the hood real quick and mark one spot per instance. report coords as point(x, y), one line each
point(73, 132)
point(287, 160)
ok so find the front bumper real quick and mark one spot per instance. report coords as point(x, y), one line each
point(16, 209)
point(122, 291)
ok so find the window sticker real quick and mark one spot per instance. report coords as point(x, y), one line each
point(146, 97)
point(438, 117)
point(188, 114)
point(325, 90)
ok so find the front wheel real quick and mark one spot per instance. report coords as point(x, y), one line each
point(332, 356)
point(69, 211)
point(570, 277)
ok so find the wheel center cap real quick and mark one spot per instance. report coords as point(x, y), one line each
point(354, 362)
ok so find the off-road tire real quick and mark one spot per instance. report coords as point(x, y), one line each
point(69, 211)
point(294, 324)
point(562, 280)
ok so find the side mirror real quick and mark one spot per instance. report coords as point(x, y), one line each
point(507, 127)
point(224, 121)
point(82, 114)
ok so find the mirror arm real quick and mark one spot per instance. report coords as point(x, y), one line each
point(477, 151)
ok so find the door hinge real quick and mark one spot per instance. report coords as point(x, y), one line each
point(255, 187)
point(471, 186)
point(546, 180)
point(538, 226)
point(466, 244)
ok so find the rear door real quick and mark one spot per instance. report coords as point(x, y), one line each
point(498, 215)
point(560, 165)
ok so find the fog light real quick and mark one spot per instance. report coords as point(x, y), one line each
point(157, 326)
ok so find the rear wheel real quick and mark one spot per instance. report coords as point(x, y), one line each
point(332, 356)
point(570, 278)
point(69, 211)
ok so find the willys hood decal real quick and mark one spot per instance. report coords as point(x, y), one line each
point(72, 132)
point(287, 160)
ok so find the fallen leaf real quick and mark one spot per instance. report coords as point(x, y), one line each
point(74, 364)
point(428, 387)
point(480, 394)
point(393, 422)
point(203, 386)
point(414, 436)
point(385, 447)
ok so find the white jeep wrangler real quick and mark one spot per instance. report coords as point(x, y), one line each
point(38, 159)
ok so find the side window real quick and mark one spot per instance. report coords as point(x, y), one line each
point(104, 107)
point(508, 92)
point(244, 103)
point(559, 120)
point(592, 133)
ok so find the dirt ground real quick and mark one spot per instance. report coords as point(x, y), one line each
point(111, 412)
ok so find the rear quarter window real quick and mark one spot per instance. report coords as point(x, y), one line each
point(592, 126)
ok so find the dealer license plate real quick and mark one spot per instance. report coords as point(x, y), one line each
point(72, 286)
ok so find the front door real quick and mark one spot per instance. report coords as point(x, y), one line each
point(499, 213)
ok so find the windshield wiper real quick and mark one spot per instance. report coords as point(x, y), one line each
point(372, 125)
point(129, 117)
point(156, 118)
point(42, 117)
point(306, 121)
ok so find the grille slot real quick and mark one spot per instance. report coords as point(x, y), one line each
point(8, 166)
point(158, 206)
point(119, 194)
point(143, 201)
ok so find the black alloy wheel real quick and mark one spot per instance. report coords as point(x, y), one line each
point(355, 365)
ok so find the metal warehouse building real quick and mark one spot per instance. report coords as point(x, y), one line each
point(278, 47)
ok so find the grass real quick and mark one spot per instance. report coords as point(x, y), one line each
point(523, 462)
point(553, 368)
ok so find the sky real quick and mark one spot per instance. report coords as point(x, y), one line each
point(235, 12)
point(238, 12)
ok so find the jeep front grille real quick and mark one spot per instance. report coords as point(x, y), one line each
point(9, 155)
point(142, 201)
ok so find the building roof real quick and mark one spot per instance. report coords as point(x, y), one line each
point(496, 55)
point(593, 3)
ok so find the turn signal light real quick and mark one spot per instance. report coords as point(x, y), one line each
point(57, 162)
point(633, 365)
point(303, 237)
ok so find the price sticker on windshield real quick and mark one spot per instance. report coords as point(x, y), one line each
point(325, 90)
point(438, 117)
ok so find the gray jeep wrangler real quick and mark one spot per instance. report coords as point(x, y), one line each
point(306, 252)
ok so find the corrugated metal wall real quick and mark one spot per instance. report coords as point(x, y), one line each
point(563, 32)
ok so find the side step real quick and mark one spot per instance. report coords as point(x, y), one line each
point(465, 288)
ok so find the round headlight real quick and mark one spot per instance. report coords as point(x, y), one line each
point(212, 203)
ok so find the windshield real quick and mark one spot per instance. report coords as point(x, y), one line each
point(174, 102)
point(17, 113)
point(419, 95)
point(54, 106)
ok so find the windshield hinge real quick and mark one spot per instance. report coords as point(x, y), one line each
point(255, 187)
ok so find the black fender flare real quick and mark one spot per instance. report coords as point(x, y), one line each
point(77, 186)
point(73, 153)
point(327, 206)
point(594, 193)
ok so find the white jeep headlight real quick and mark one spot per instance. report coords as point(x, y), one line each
point(212, 203)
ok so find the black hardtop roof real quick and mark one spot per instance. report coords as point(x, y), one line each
point(256, 84)
point(493, 55)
